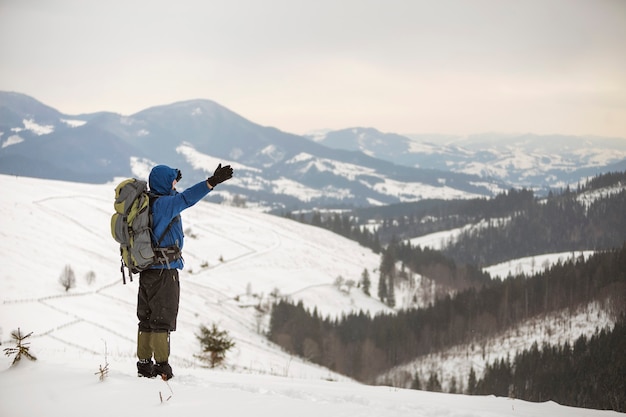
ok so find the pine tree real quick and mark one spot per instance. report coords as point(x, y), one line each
point(416, 384)
point(453, 386)
point(216, 343)
point(391, 293)
point(471, 382)
point(382, 288)
point(433, 383)
point(366, 282)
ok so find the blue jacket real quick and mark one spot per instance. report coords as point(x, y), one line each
point(169, 205)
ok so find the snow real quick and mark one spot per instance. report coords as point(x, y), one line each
point(12, 140)
point(74, 123)
point(403, 190)
point(140, 167)
point(347, 170)
point(439, 240)
point(422, 147)
point(303, 193)
point(39, 130)
point(75, 391)
point(198, 160)
point(235, 258)
point(533, 264)
point(410, 191)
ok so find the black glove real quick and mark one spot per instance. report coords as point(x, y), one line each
point(221, 174)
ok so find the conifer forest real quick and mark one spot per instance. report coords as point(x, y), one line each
point(591, 372)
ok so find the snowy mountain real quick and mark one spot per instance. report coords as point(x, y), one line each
point(235, 260)
point(532, 161)
point(274, 169)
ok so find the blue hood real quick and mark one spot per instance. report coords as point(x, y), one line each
point(161, 178)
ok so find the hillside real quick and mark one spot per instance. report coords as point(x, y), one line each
point(514, 224)
point(555, 298)
point(276, 170)
point(235, 259)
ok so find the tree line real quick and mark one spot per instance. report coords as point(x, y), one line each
point(591, 373)
point(516, 223)
point(430, 263)
point(559, 224)
point(363, 347)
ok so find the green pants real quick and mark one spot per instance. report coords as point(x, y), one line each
point(155, 344)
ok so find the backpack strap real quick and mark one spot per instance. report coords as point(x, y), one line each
point(167, 229)
point(166, 255)
point(170, 253)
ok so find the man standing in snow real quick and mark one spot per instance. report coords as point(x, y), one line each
point(159, 287)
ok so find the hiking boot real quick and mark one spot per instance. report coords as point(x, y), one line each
point(145, 368)
point(164, 370)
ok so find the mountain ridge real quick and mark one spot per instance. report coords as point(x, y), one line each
point(524, 160)
point(278, 170)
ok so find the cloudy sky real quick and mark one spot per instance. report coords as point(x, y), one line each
point(405, 66)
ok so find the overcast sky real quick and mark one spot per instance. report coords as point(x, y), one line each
point(402, 66)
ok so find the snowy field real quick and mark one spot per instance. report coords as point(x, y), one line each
point(235, 258)
point(439, 240)
point(71, 390)
point(533, 264)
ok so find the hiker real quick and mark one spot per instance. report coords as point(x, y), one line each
point(159, 287)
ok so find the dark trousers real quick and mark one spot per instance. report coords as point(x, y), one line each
point(157, 300)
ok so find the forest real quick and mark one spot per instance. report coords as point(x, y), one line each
point(476, 307)
point(590, 373)
point(362, 346)
point(518, 224)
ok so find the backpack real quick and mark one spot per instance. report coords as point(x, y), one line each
point(131, 227)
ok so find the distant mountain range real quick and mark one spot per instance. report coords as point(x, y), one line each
point(533, 161)
point(279, 171)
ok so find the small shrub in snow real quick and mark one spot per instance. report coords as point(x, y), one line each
point(90, 277)
point(67, 278)
point(103, 371)
point(21, 348)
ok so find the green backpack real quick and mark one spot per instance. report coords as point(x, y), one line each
point(131, 227)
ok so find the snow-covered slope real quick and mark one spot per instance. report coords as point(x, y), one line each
point(454, 364)
point(71, 390)
point(235, 259)
point(532, 264)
